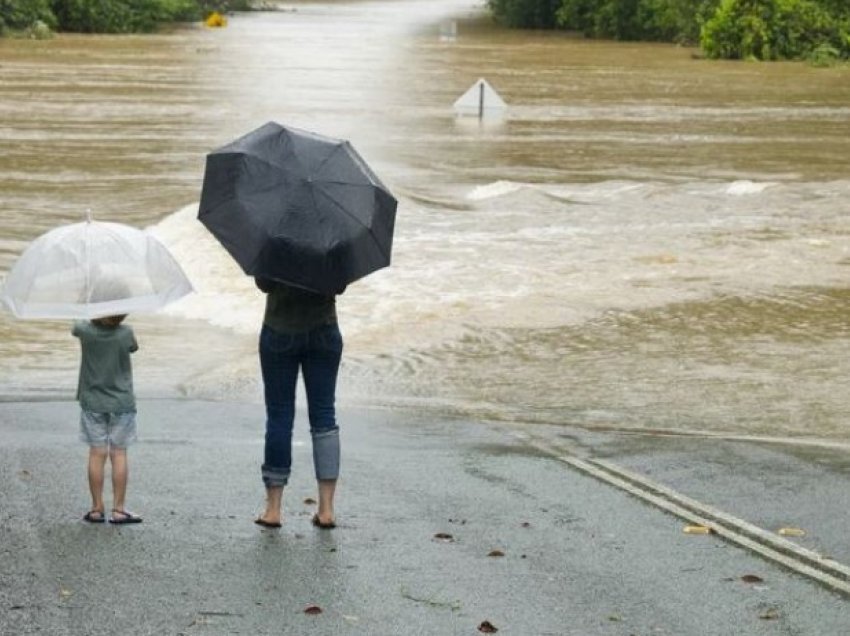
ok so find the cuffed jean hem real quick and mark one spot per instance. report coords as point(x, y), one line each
point(326, 453)
point(273, 478)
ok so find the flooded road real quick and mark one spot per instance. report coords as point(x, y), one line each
point(646, 240)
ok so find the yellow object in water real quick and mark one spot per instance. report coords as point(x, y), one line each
point(215, 19)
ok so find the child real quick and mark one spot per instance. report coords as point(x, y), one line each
point(108, 418)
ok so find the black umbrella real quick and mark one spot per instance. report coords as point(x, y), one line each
point(298, 207)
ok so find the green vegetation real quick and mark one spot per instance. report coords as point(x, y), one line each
point(817, 30)
point(105, 16)
point(777, 29)
point(23, 14)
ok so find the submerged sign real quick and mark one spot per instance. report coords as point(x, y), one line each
point(480, 100)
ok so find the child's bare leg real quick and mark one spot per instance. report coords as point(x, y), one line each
point(120, 472)
point(97, 461)
point(274, 501)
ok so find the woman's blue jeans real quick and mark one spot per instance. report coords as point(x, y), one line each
point(317, 354)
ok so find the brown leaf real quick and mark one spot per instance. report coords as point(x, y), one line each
point(792, 532)
point(752, 578)
point(769, 614)
point(25, 474)
point(312, 609)
point(487, 628)
point(525, 524)
point(444, 536)
point(496, 553)
point(310, 501)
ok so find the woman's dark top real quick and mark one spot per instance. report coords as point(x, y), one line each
point(295, 310)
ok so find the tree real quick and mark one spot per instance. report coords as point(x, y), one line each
point(22, 14)
point(661, 20)
point(774, 29)
point(526, 14)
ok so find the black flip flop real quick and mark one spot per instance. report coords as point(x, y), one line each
point(94, 516)
point(127, 517)
point(325, 525)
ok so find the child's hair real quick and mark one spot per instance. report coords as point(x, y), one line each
point(109, 321)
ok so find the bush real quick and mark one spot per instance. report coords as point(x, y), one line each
point(824, 55)
point(773, 29)
point(739, 30)
point(526, 14)
point(105, 16)
point(23, 14)
point(121, 16)
point(38, 30)
point(662, 20)
point(675, 20)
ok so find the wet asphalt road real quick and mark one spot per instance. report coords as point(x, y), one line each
point(580, 557)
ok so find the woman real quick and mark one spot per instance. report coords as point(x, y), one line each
point(300, 331)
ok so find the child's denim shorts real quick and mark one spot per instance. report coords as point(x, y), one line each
point(117, 430)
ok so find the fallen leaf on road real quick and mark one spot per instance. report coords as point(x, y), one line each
point(25, 474)
point(487, 628)
point(525, 524)
point(312, 609)
point(697, 530)
point(769, 614)
point(65, 593)
point(310, 501)
point(792, 532)
point(496, 553)
point(752, 578)
point(444, 537)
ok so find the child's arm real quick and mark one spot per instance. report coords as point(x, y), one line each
point(132, 345)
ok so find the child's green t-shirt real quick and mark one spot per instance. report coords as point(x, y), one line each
point(106, 375)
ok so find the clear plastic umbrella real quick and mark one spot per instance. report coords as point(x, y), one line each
point(90, 270)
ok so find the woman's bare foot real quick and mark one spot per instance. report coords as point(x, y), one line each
point(325, 517)
point(274, 500)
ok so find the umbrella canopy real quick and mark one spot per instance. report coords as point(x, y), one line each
point(91, 270)
point(298, 207)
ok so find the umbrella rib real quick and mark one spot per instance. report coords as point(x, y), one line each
point(328, 158)
point(252, 155)
point(356, 158)
point(304, 169)
point(349, 214)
